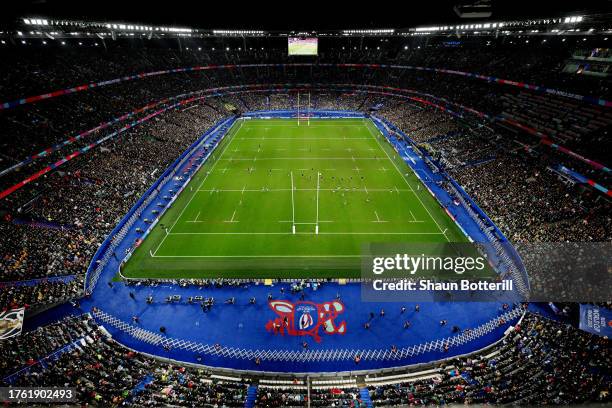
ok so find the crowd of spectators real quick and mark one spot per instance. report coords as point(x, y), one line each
point(68, 215)
point(278, 396)
point(44, 291)
point(272, 397)
point(540, 362)
point(531, 204)
point(179, 386)
point(520, 191)
point(28, 348)
point(104, 373)
point(57, 116)
point(567, 271)
point(533, 61)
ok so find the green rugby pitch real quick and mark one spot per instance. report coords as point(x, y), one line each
point(338, 182)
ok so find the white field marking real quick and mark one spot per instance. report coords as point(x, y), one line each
point(232, 159)
point(412, 215)
point(397, 191)
point(196, 218)
point(223, 170)
point(257, 256)
point(405, 180)
point(412, 189)
point(232, 220)
point(291, 122)
point(201, 184)
point(378, 218)
point(304, 138)
point(269, 126)
point(318, 178)
point(357, 190)
point(306, 233)
point(292, 200)
point(306, 223)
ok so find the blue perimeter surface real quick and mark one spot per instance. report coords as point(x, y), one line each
point(241, 326)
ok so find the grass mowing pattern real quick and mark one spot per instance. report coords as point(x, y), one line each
point(236, 216)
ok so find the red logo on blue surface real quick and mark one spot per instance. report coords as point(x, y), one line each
point(306, 318)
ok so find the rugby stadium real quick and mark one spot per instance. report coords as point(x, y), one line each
point(241, 208)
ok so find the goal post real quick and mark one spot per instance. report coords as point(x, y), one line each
point(301, 115)
point(308, 111)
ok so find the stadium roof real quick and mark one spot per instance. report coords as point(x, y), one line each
point(284, 15)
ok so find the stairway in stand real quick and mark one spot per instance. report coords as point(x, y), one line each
point(365, 396)
point(251, 396)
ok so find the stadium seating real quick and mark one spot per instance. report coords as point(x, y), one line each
point(564, 365)
point(53, 226)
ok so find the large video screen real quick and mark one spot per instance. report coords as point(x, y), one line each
point(303, 46)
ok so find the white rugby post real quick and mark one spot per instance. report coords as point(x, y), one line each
point(292, 206)
point(308, 111)
point(317, 223)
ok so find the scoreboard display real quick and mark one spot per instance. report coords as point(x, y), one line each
point(303, 46)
